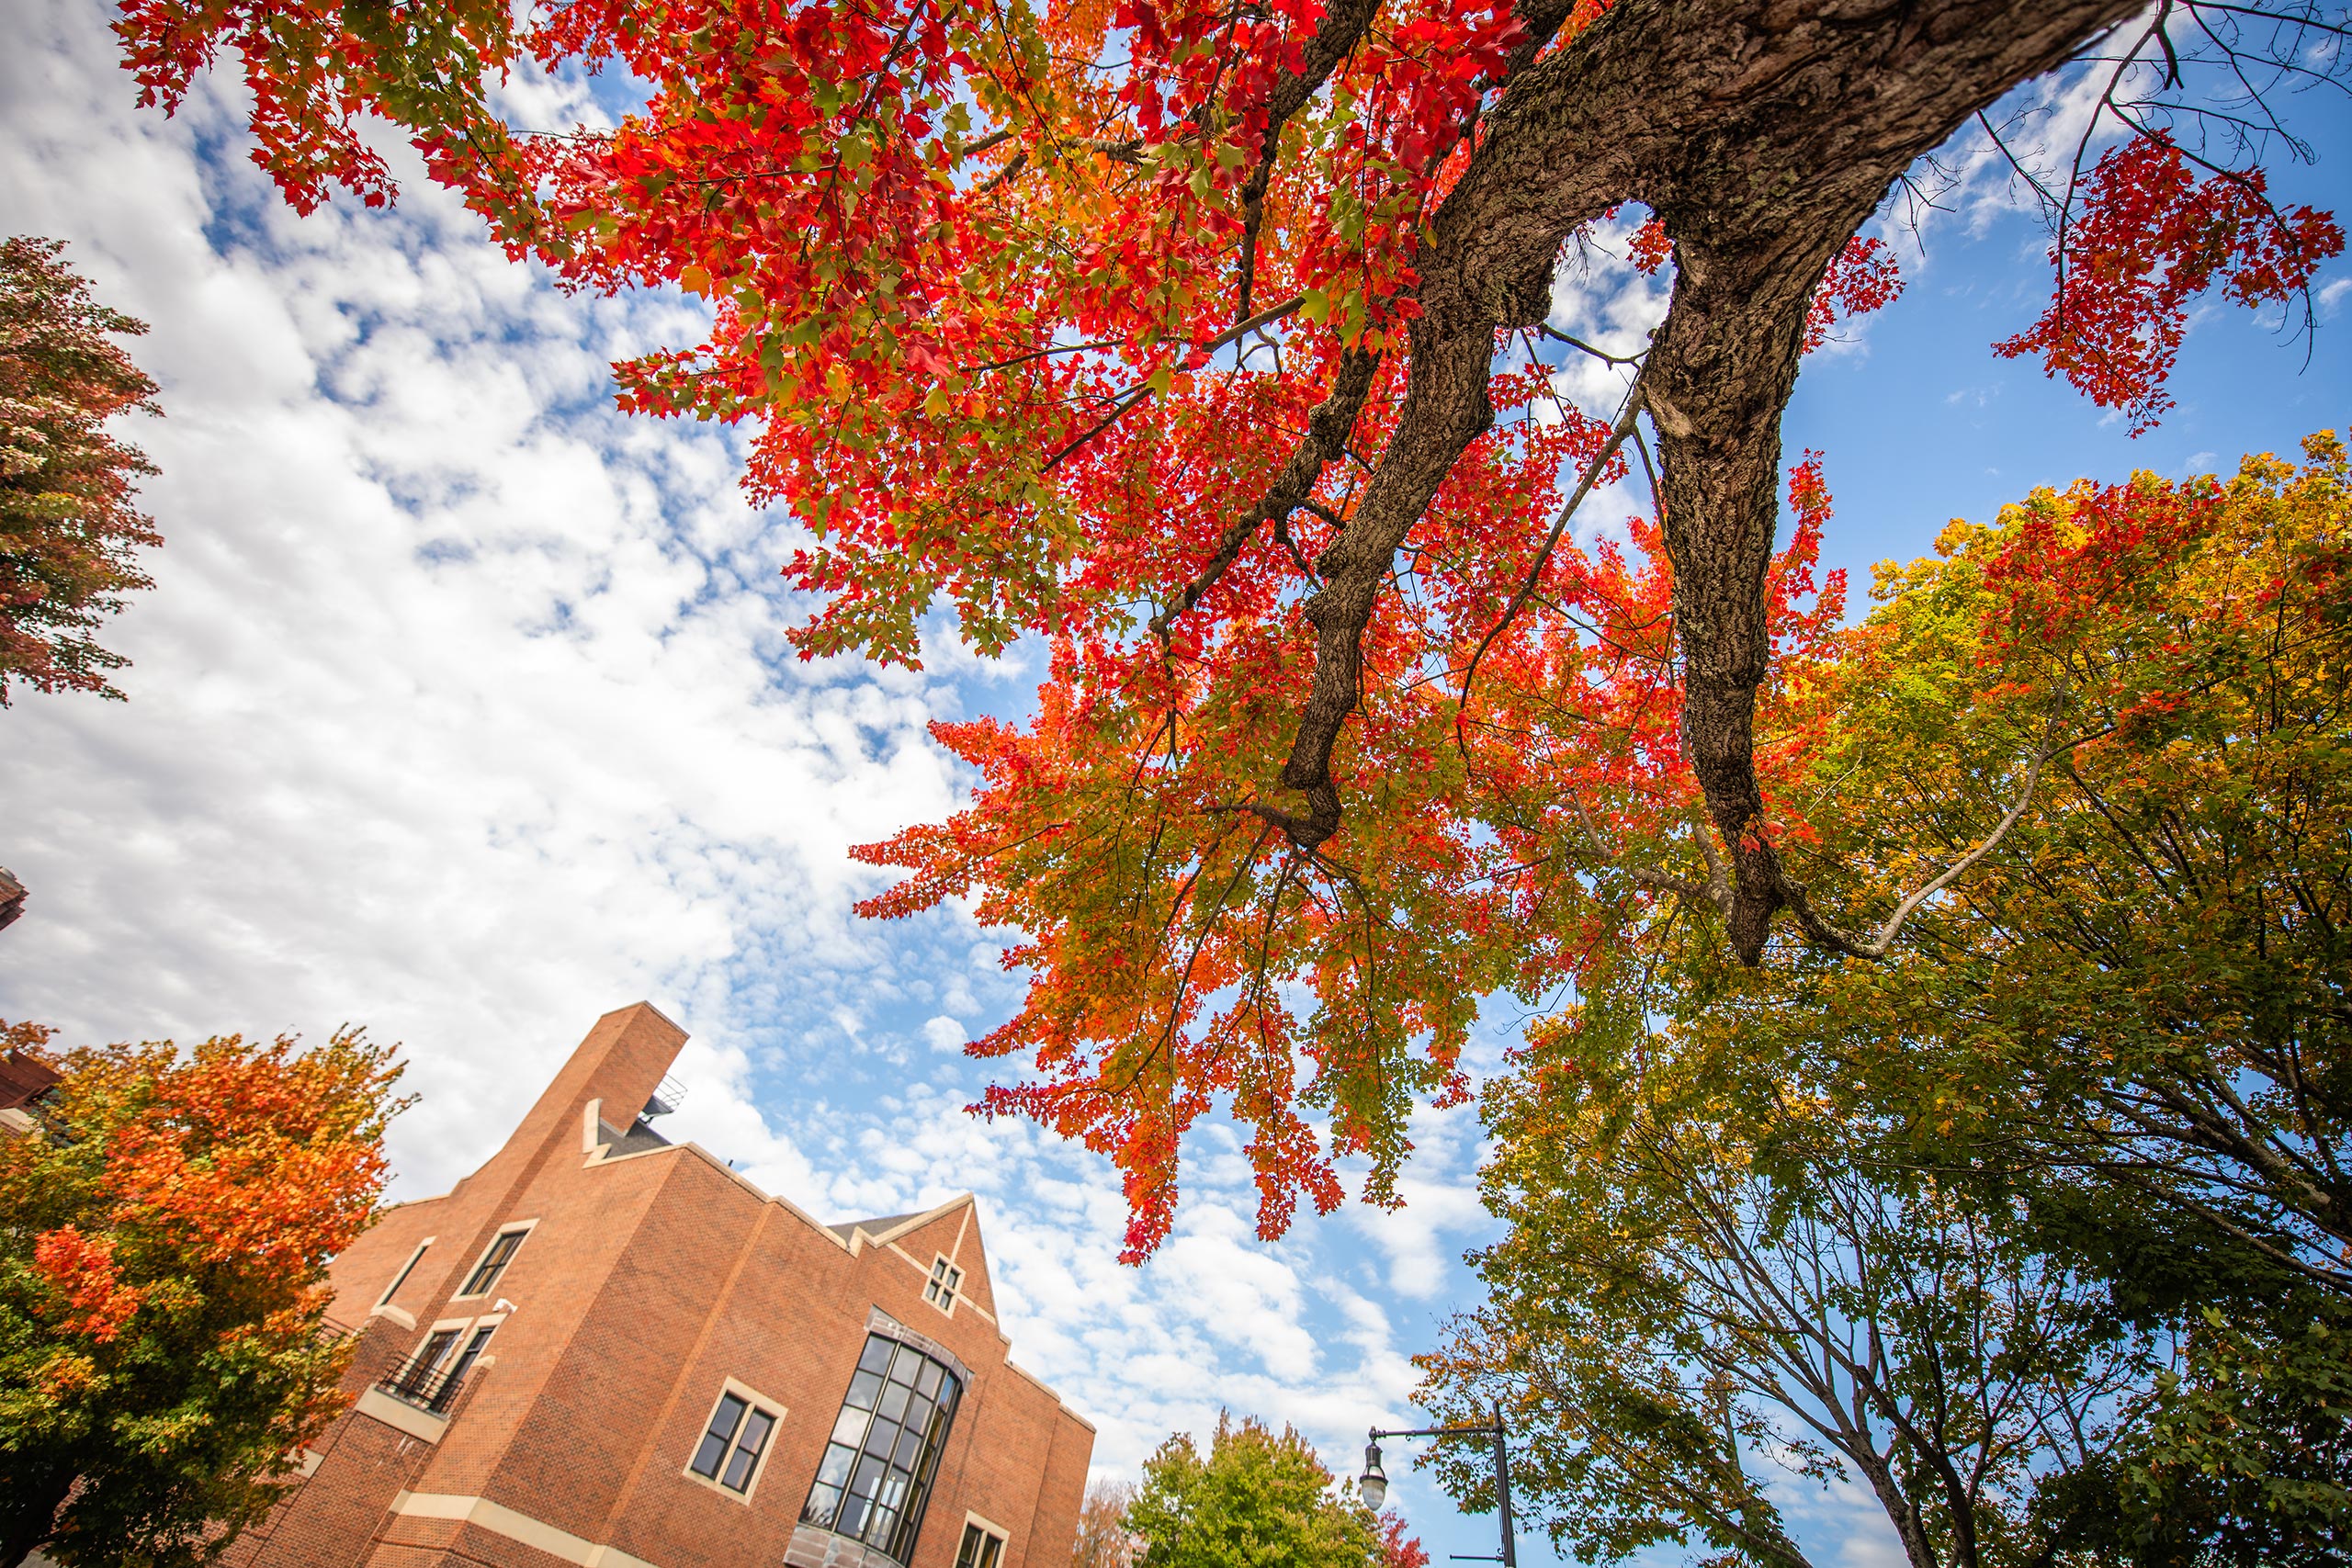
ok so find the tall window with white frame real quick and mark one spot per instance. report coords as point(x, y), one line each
point(875, 1476)
point(733, 1442)
point(406, 1269)
point(500, 1252)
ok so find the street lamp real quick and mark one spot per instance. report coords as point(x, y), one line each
point(1372, 1485)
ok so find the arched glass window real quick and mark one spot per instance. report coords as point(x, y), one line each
point(875, 1475)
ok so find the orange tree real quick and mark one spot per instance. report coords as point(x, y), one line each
point(164, 1231)
point(1209, 341)
point(68, 531)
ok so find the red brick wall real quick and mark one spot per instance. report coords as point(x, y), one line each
point(619, 1062)
point(363, 1464)
point(648, 1281)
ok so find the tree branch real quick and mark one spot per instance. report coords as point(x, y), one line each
point(1879, 945)
point(1327, 432)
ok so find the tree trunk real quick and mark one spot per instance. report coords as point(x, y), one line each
point(1917, 1548)
point(1763, 133)
point(1719, 374)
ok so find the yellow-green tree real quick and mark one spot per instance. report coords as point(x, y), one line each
point(2133, 1014)
point(2146, 980)
point(2085, 782)
point(1709, 1299)
point(1256, 1499)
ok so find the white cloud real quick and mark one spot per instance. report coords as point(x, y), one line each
point(458, 707)
point(1606, 305)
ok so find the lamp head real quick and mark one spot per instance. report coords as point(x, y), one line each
point(1373, 1485)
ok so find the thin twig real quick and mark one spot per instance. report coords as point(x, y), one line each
point(1600, 354)
point(1619, 433)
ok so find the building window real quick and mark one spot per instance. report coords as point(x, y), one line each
point(406, 1269)
point(484, 1278)
point(875, 1475)
point(415, 1379)
point(728, 1454)
point(432, 1376)
point(981, 1547)
point(945, 1280)
point(460, 1367)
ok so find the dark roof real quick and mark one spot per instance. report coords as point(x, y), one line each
point(24, 1080)
point(882, 1226)
point(637, 1140)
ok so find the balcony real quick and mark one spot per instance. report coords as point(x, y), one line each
point(428, 1384)
point(418, 1395)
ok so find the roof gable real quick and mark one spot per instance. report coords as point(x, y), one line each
point(951, 1231)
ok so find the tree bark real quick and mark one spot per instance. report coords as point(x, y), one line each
point(1763, 133)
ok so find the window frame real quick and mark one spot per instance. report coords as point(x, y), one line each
point(462, 1331)
point(522, 1230)
point(866, 1473)
point(406, 1269)
point(754, 1402)
point(472, 1340)
point(944, 1285)
point(988, 1529)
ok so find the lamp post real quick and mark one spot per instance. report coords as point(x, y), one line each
point(1374, 1484)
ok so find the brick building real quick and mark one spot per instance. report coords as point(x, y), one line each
point(603, 1349)
point(24, 1082)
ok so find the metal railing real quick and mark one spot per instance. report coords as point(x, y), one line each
point(665, 1099)
point(429, 1385)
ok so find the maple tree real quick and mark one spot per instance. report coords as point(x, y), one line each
point(1210, 343)
point(69, 534)
point(164, 1232)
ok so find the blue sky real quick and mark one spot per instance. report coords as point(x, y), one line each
point(1922, 422)
point(461, 709)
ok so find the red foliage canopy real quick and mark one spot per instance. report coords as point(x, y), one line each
point(2152, 237)
point(69, 533)
point(1209, 341)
